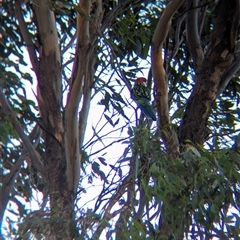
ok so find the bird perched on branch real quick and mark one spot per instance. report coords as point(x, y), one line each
point(141, 94)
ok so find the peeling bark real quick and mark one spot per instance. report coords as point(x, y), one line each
point(217, 60)
point(50, 101)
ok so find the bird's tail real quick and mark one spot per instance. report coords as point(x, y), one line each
point(148, 111)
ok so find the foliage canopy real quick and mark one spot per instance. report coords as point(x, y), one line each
point(176, 179)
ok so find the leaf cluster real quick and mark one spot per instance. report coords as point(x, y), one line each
point(204, 186)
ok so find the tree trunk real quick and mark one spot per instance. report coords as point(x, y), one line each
point(49, 96)
point(217, 60)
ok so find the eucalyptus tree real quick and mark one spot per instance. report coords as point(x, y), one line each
point(175, 179)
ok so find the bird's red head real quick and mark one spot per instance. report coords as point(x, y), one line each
point(141, 80)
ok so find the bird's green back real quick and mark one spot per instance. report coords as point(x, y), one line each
point(141, 94)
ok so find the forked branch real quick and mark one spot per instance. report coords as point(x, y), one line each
point(88, 20)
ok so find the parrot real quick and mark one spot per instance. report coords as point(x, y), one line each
point(141, 95)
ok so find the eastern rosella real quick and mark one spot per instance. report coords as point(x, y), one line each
point(141, 94)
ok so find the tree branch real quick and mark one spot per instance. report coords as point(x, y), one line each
point(193, 37)
point(34, 135)
point(9, 180)
point(69, 44)
point(48, 37)
point(7, 184)
point(82, 78)
point(93, 29)
point(107, 215)
point(227, 76)
point(164, 23)
point(218, 58)
point(177, 36)
point(26, 36)
point(78, 79)
point(47, 29)
point(27, 143)
point(169, 135)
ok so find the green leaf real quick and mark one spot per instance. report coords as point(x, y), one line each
point(96, 167)
point(103, 161)
point(109, 120)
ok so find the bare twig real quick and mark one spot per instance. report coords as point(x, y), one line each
point(178, 41)
point(69, 44)
point(114, 199)
point(119, 72)
point(110, 144)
